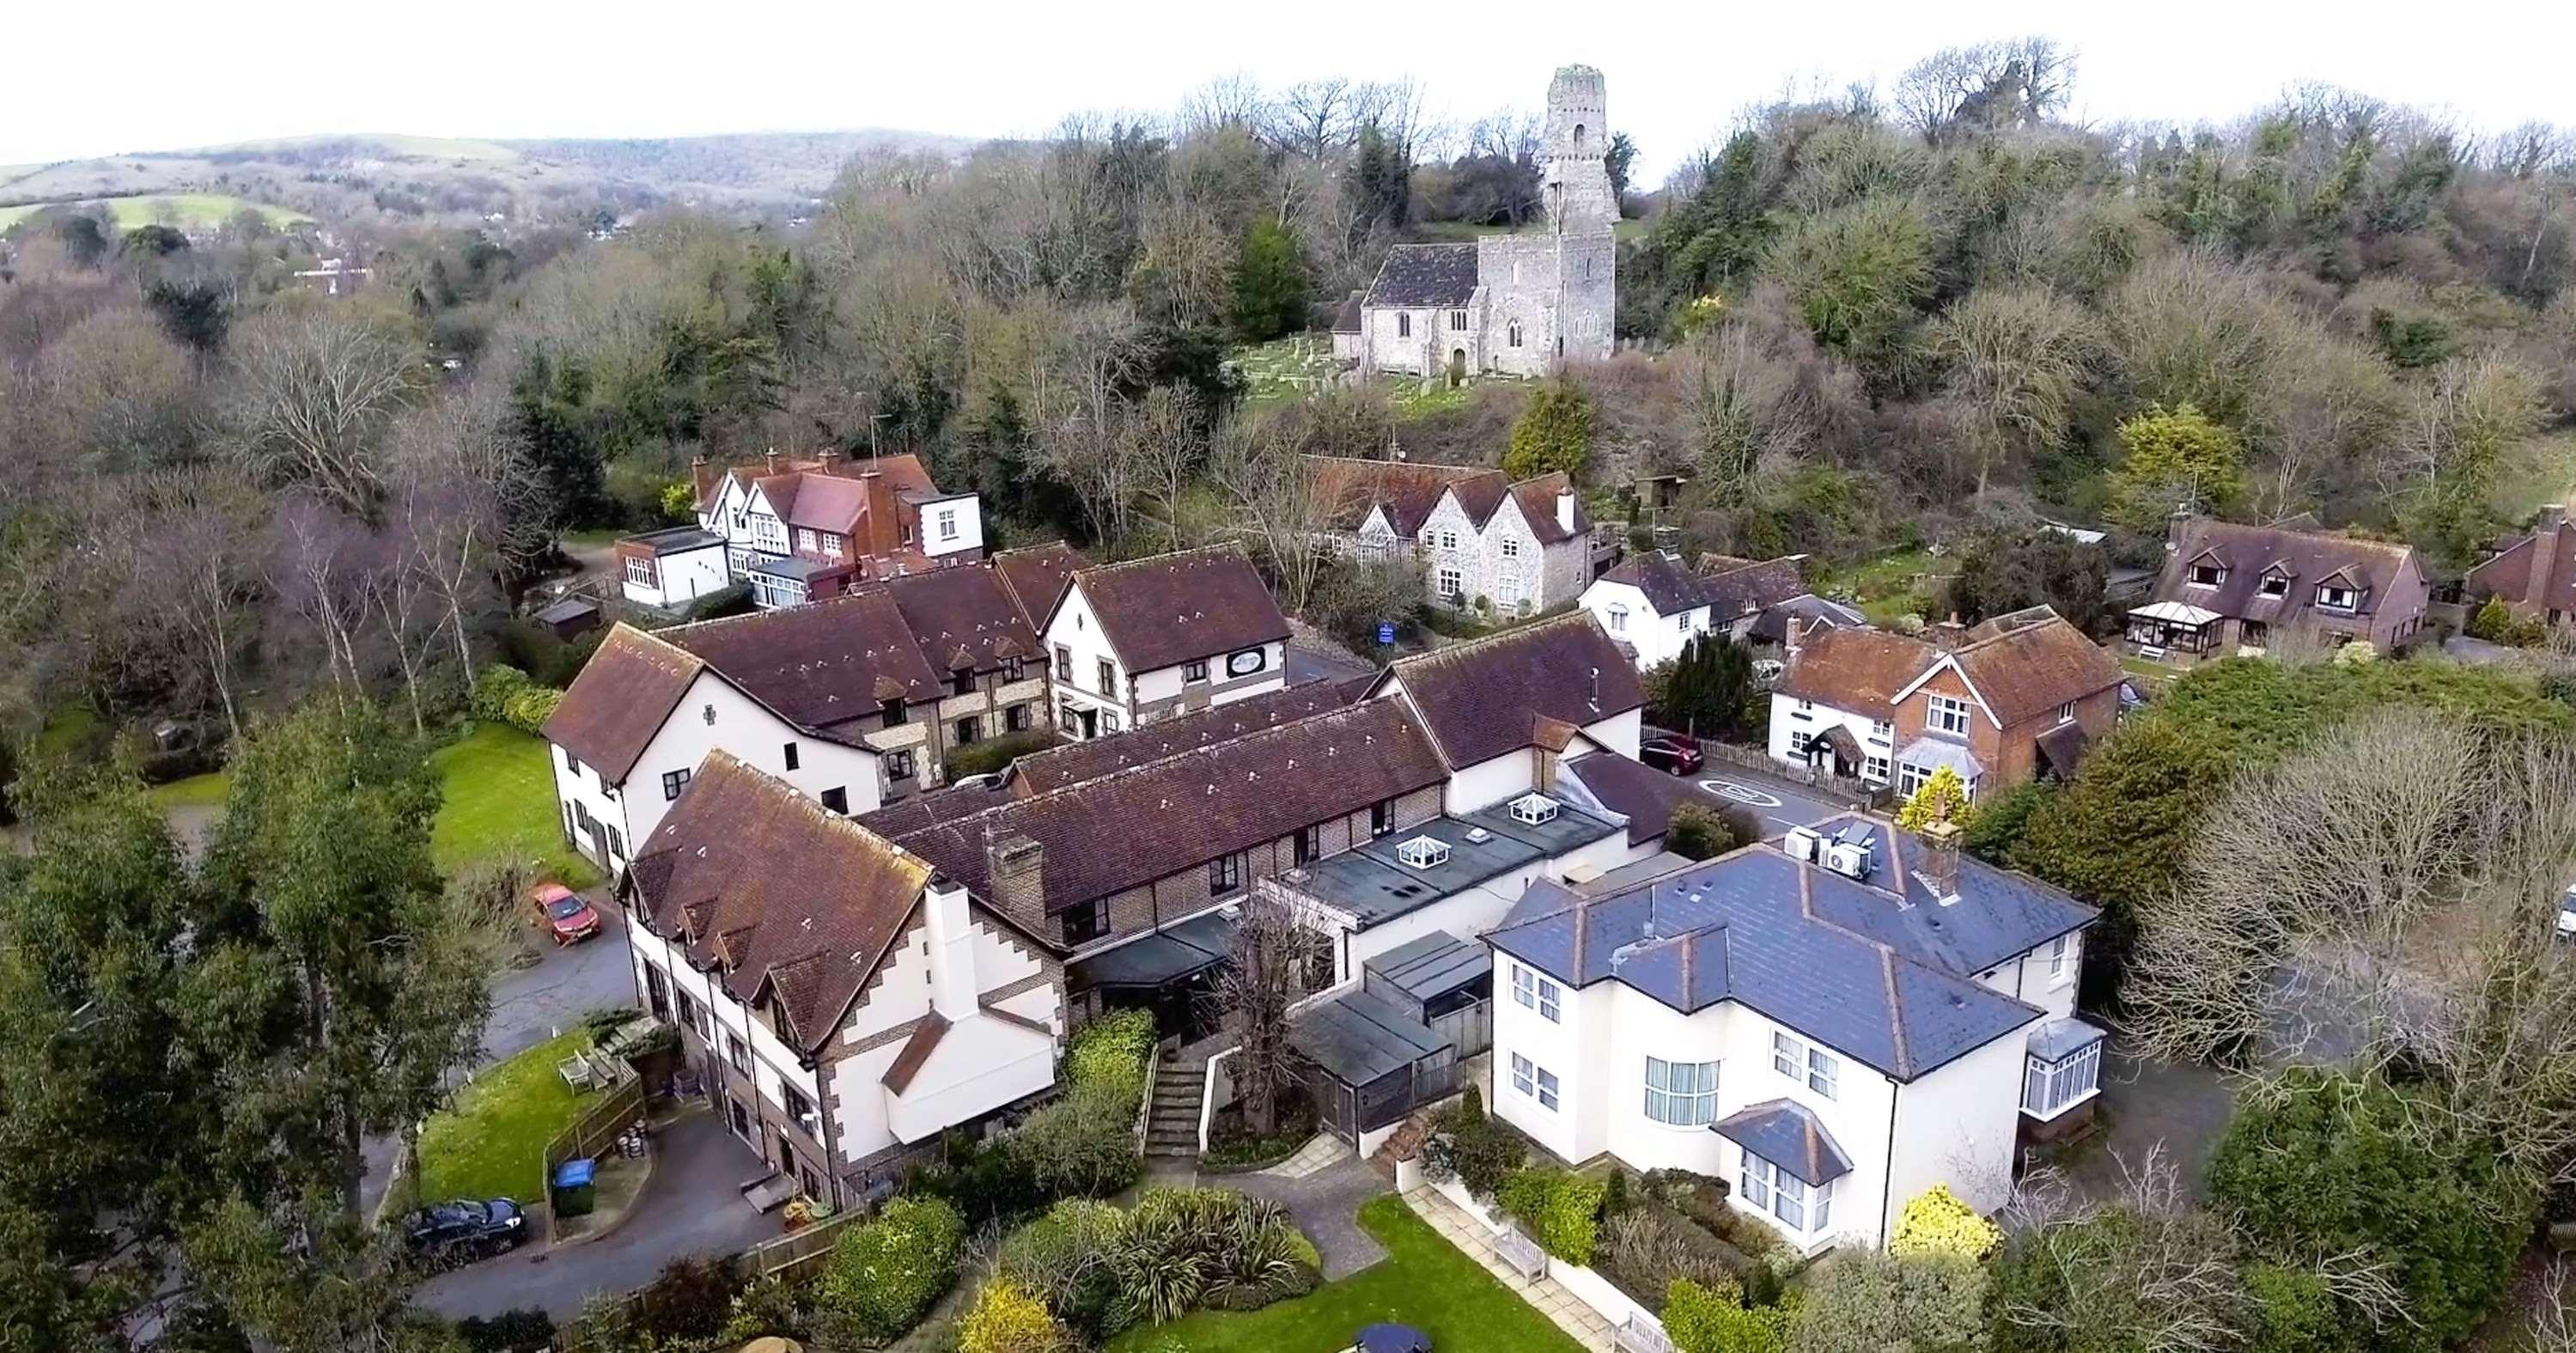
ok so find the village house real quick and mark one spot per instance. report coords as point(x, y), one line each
point(842, 1003)
point(2013, 697)
point(2534, 573)
point(1506, 710)
point(2228, 588)
point(1485, 543)
point(1150, 638)
point(1833, 1021)
point(800, 531)
point(1758, 600)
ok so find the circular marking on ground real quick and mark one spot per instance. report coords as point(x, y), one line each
point(1744, 794)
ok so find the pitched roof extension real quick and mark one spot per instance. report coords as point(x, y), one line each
point(1172, 608)
point(622, 697)
point(1668, 587)
point(1490, 697)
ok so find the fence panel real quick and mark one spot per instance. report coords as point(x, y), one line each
point(1469, 1029)
point(596, 1129)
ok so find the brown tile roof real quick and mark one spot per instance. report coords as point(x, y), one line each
point(1537, 498)
point(797, 901)
point(1035, 573)
point(621, 699)
point(1479, 496)
point(926, 1034)
point(1075, 762)
point(1855, 669)
point(1171, 608)
point(818, 665)
point(2509, 573)
point(1162, 818)
point(2380, 568)
point(964, 614)
point(2030, 662)
point(1484, 699)
point(1407, 489)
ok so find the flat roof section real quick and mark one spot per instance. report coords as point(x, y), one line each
point(1373, 884)
point(1357, 1038)
point(1433, 966)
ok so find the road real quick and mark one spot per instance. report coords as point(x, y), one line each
point(1781, 803)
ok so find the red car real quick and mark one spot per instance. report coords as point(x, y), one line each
point(564, 915)
point(1681, 756)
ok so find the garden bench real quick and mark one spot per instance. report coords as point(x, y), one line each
point(1522, 1253)
point(1640, 1334)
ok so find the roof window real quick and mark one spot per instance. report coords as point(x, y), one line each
point(1423, 852)
point(1533, 809)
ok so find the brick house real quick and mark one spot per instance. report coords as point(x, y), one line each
point(2228, 588)
point(841, 1001)
point(2534, 573)
point(803, 530)
point(2016, 696)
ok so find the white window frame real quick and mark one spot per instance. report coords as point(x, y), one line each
point(2275, 585)
point(1618, 620)
point(1873, 768)
point(1537, 1082)
point(1452, 583)
point(1824, 1072)
point(2066, 712)
point(1448, 540)
point(947, 523)
point(2050, 1088)
point(1511, 548)
point(1534, 992)
point(639, 571)
point(2216, 575)
point(1788, 1054)
point(2327, 598)
point(2061, 968)
point(1942, 712)
point(1681, 1094)
point(1910, 777)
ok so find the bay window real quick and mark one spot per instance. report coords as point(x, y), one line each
point(1682, 1094)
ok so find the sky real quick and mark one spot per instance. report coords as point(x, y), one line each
point(172, 75)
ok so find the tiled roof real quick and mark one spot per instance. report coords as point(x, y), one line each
point(748, 872)
point(1485, 699)
point(1855, 669)
point(1425, 275)
point(963, 615)
point(2378, 569)
point(1035, 573)
point(2509, 573)
point(1669, 588)
point(2030, 662)
point(1407, 489)
point(1537, 498)
point(1880, 970)
point(1150, 821)
point(818, 665)
point(1787, 1134)
point(620, 700)
point(1075, 762)
point(1171, 608)
point(1737, 586)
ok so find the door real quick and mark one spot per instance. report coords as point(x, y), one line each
point(1457, 365)
point(1089, 720)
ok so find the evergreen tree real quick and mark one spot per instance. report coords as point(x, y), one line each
point(1553, 433)
point(1382, 171)
point(1710, 690)
point(1269, 283)
point(547, 406)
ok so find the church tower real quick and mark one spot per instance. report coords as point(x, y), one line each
point(1582, 211)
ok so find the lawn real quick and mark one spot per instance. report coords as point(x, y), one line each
point(1424, 1282)
point(189, 209)
point(486, 1143)
point(197, 791)
point(1891, 585)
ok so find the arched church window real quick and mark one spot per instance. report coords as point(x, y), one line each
point(1514, 333)
point(1578, 136)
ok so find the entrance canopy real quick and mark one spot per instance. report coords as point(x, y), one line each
point(1167, 955)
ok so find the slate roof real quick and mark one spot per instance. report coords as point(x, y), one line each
point(1432, 966)
point(620, 700)
point(1741, 586)
point(1346, 316)
point(1415, 275)
point(1809, 610)
point(1372, 884)
point(1485, 699)
point(1074, 762)
point(1160, 818)
point(672, 540)
point(757, 880)
point(1789, 1135)
point(1171, 608)
point(2380, 569)
point(1407, 489)
point(1880, 970)
point(1644, 795)
point(1669, 588)
point(1358, 1037)
point(1035, 574)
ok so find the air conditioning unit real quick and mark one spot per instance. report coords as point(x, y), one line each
point(1533, 809)
point(1423, 852)
point(1848, 860)
point(1802, 844)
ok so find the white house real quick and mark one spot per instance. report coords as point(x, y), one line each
point(799, 531)
point(1504, 711)
point(842, 1003)
point(636, 724)
point(1833, 1021)
point(1651, 606)
point(670, 569)
point(1150, 638)
point(1485, 543)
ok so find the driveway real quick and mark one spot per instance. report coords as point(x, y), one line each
point(692, 1206)
point(1781, 803)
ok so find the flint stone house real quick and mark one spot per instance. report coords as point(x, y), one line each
point(1516, 548)
point(1150, 638)
point(2013, 697)
point(2227, 588)
point(1512, 304)
point(1833, 1021)
point(842, 1003)
point(799, 531)
point(2535, 574)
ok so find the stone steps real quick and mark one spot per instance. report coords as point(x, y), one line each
point(1172, 1129)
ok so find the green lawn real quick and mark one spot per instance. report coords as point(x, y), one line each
point(487, 1143)
point(1890, 585)
point(190, 209)
point(197, 791)
point(1425, 1282)
point(65, 729)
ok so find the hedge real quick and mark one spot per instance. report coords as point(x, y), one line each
point(1561, 1212)
point(885, 1273)
point(504, 694)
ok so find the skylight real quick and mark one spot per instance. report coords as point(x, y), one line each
point(1533, 809)
point(1423, 852)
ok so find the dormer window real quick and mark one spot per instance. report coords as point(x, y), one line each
point(1533, 809)
point(2207, 575)
point(892, 709)
point(2276, 585)
point(1423, 852)
point(2333, 598)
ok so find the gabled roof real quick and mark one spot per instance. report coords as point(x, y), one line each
point(1416, 275)
point(2016, 666)
point(1738, 586)
point(1855, 669)
point(1074, 762)
point(1668, 587)
point(964, 617)
point(1035, 574)
point(787, 898)
point(1172, 608)
point(621, 699)
point(2548, 550)
point(818, 665)
point(1406, 489)
point(1160, 818)
point(1487, 698)
point(1812, 613)
point(2385, 573)
point(1346, 316)
point(1880, 969)
point(1537, 499)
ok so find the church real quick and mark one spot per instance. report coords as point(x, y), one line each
point(1512, 304)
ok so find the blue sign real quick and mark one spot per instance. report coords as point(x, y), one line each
point(1386, 631)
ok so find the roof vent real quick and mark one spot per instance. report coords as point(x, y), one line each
point(1802, 844)
point(1424, 852)
point(1533, 809)
point(1479, 835)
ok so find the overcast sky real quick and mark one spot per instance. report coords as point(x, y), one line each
point(83, 80)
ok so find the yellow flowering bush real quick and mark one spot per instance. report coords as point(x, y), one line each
point(1938, 1221)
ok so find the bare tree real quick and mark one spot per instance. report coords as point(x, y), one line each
point(168, 577)
point(1160, 443)
point(1281, 502)
point(1987, 86)
point(313, 394)
point(2016, 360)
point(1271, 966)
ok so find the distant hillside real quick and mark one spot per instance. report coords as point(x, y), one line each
point(802, 163)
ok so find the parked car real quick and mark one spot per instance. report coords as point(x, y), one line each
point(1679, 755)
point(462, 1229)
point(564, 915)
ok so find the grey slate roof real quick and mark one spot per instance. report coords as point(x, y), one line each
point(1880, 970)
point(1669, 588)
point(1788, 1135)
point(1424, 275)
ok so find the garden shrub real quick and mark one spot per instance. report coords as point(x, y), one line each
point(1561, 1212)
point(1186, 1248)
point(690, 1299)
point(1476, 1148)
point(1064, 1259)
point(2294, 1312)
point(1644, 1248)
point(985, 1180)
point(992, 754)
point(769, 1306)
point(511, 1331)
point(504, 694)
point(1937, 1221)
point(1867, 1301)
point(1084, 1144)
point(885, 1273)
point(1716, 1320)
point(1112, 1049)
point(1007, 1319)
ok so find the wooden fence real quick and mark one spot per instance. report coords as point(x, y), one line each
point(594, 1132)
point(1839, 787)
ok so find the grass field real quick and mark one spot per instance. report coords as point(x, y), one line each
point(189, 209)
point(1424, 1282)
point(486, 1143)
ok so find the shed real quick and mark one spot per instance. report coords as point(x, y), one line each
point(570, 617)
point(1447, 984)
point(1374, 1062)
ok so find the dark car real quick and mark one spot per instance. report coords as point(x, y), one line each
point(1681, 756)
point(564, 915)
point(464, 1229)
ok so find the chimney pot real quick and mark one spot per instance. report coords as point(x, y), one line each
point(1565, 510)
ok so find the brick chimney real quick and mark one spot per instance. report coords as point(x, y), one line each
point(1015, 866)
point(1949, 634)
point(2545, 549)
point(702, 477)
point(830, 459)
point(1940, 871)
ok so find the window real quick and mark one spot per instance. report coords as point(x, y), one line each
point(1512, 334)
point(1910, 777)
point(1511, 549)
point(1768, 1188)
point(1537, 993)
point(1754, 1183)
point(2207, 575)
point(2335, 598)
point(2275, 585)
point(2066, 712)
point(1451, 583)
point(1536, 1081)
point(1063, 663)
point(1618, 620)
point(1943, 714)
point(737, 1054)
point(837, 800)
point(1873, 768)
point(673, 781)
point(2254, 634)
point(1225, 875)
point(1382, 818)
point(1681, 623)
point(1448, 540)
point(688, 1012)
point(1403, 325)
point(1824, 1073)
point(891, 709)
point(1882, 730)
point(1108, 674)
point(1014, 668)
point(616, 843)
point(1458, 321)
point(899, 765)
point(2050, 1088)
point(572, 763)
point(969, 729)
point(799, 1108)
point(1085, 923)
point(1683, 1094)
point(639, 571)
point(947, 523)
point(788, 753)
point(1016, 718)
point(962, 683)
point(2061, 960)
point(1547, 1090)
point(1108, 722)
point(1194, 670)
point(1788, 1055)
point(1310, 845)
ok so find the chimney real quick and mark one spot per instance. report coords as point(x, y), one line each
point(2176, 522)
point(1794, 638)
point(770, 460)
point(830, 459)
point(1940, 871)
point(1016, 868)
point(2545, 547)
point(1565, 509)
point(952, 949)
point(702, 477)
point(1950, 633)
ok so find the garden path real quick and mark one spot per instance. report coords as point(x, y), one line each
point(1570, 1314)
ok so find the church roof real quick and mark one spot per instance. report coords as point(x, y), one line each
point(1425, 275)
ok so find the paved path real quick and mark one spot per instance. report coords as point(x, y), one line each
point(1315, 1157)
point(1580, 1322)
point(691, 1206)
point(1783, 803)
point(1325, 1205)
